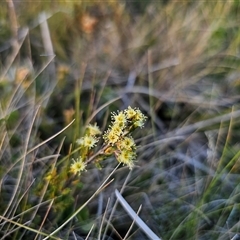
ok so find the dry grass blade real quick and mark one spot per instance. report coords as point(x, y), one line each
point(135, 217)
point(103, 185)
point(103, 218)
point(10, 204)
point(114, 207)
point(45, 217)
point(130, 228)
point(90, 231)
point(101, 108)
point(177, 61)
point(36, 147)
point(27, 228)
point(236, 236)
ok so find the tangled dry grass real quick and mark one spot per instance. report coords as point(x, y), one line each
point(66, 64)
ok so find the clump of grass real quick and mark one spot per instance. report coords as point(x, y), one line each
point(177, 62)
point(36, 195)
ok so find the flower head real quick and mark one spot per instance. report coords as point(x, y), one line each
point(93, 130)
point(126, 157)
point(140, 116)
point(87, 141)
point(117, 129)
point(139, 119)
point(127, 143)
point(111, 137)
point(77, 166)
point(119, 118)
point(90, 141)
point(138, 123)
point(130, 112)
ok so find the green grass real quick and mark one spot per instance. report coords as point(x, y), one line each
point(178, 62)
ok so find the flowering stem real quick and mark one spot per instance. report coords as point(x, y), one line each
point(101, 151)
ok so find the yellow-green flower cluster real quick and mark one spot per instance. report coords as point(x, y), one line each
point(123, 123)
point(89, 140)
point(118, 135)
point(117, 140)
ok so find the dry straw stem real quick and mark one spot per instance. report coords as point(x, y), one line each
point(90, 231)
point(26, 227)
point(103, 218)
point(23, 161)
point(44, 219)
point(14, 28)
point(47, 43)
point(135, 217)
point(101, 108)
point(45, 190)
point(178, 133)
point(20, 174)
point(130, 228)
point(115, 206)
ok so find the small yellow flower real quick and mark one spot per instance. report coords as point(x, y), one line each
point(110, 137)
point(140, 116)
point(116, 129)
point(127, 143)
point(87, 141)
point(130, 112)
point(90, 141)
point(77, 166)
point(121, 125)
point(119, 118)
point(126, 157)
point(93, 130)
point(138, 123)
point(139, 119)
